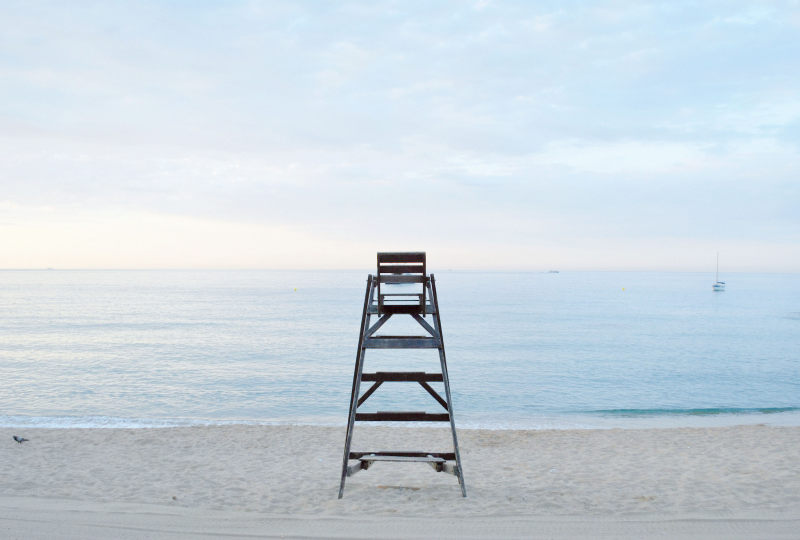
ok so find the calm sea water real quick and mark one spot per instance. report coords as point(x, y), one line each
point(525, 350)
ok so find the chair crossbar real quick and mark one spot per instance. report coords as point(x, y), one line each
point(401, 257)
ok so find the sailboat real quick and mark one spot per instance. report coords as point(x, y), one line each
point(718, 285)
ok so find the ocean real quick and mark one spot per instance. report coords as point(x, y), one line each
point(525, 350)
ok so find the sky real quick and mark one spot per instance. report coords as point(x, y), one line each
point(493, 135)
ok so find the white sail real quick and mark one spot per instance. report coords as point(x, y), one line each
point(718, 285)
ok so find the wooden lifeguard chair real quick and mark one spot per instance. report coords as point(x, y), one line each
point(400, 268)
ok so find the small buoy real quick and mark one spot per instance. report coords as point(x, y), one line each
point(295, 289)
point(623, 289)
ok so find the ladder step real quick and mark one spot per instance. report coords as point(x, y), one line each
point(390, 376)
point(423, 459)
point(402, 308)
point(449, 456)
point(401, 342)
point(429, 310)
point(412, 416)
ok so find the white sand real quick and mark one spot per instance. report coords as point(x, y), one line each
point(257, 481)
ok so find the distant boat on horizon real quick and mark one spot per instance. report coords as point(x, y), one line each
point(718, 285)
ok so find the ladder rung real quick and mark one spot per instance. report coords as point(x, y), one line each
point(424, 459)
point(373, 309)
point(402, 416)
point(450, 456)
point(401, 342)
point(402, 308)
point(390, 376)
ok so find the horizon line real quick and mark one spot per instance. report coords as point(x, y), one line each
point(444, 269)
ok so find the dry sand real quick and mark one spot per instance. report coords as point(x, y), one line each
point(282, 481)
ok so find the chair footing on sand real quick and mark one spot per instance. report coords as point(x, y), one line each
point(438, 463)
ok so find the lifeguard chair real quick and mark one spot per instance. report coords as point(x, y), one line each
point(415, 295)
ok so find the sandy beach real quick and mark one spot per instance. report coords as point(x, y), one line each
point(282, 481)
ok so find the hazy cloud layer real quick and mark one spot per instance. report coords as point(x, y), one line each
point(575, 135)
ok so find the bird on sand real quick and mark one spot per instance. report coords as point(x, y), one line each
point(20, 440)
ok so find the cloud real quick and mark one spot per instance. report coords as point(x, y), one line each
point(465, 125)
point(624, 157)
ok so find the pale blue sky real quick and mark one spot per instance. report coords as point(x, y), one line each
point(507, 135)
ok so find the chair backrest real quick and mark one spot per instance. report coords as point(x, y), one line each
point(401, 268)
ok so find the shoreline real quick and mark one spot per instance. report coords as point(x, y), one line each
point(700, 418)
point(290, 474)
